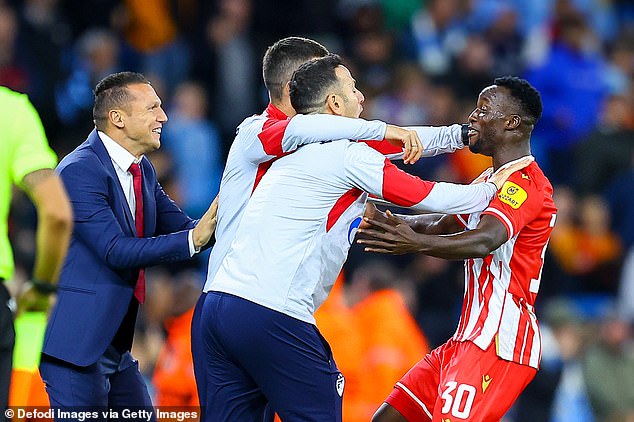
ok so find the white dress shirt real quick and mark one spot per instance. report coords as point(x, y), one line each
point(122, 160)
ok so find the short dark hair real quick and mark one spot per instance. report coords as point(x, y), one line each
point(283, 58)
point(311, 82)
point(111, 93)
point(527, 96)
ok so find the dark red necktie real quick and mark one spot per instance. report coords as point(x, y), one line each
point(135, 170)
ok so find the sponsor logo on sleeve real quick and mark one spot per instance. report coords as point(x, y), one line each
point(512, 194)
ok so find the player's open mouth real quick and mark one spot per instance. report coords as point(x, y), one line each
point(472, 133)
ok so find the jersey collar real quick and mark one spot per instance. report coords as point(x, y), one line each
point(275, 113)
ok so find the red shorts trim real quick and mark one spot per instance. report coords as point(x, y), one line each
point(460, 382)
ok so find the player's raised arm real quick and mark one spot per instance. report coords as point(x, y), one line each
point(378, 176)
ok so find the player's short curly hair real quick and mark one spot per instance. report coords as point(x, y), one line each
point(283, 58)
point(312, 82)
point(111, 93)
point(527, 96)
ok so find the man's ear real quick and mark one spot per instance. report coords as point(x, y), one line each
point(116, 118)
point(335, 104)
point(513, 122)
point(286, 91)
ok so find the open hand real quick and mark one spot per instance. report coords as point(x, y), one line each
point(206, 226)
point(413, 147)
point(393, 236)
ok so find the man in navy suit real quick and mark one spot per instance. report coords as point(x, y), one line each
point(123, 222)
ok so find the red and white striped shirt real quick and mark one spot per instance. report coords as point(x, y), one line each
point(500, 289)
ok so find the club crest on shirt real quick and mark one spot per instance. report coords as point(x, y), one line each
point(339, 384)
point(352, 230)
point(512, 194)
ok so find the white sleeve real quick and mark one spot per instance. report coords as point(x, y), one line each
point(368, 170)
point(310, 128)
point(279, 137)
point(438, 140)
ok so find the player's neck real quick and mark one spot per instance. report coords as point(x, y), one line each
point(511, 154)
point(285, 107)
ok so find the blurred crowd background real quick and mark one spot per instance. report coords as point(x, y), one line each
point(418, 62)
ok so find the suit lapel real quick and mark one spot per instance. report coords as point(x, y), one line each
point(102, 154)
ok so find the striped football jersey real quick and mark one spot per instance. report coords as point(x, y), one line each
point(500, 289)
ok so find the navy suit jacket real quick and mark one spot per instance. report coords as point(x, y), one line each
point(100, 271)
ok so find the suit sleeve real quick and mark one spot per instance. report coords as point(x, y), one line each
point(96, 225)
point(517, 203)
point(436, 140)
point(368, 170)
point(280, 137)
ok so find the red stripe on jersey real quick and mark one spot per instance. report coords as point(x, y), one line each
point(401, 188)
point(271, 136)
point(384, 147)
point(262, 169)
point(341, 205)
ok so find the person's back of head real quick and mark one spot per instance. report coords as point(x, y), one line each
point(527, 100)
point(283, 58)
point(111, 92)
point(311, 83)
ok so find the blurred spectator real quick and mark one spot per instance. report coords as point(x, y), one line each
point(372, 51)
point(608, 151)
point(439, 285)
point(195, 148)
point(44, 37)
point(435, 34)
point(173, 376)
point(392, 341)
point(609, 372)
point(587, 247)
point(620, 200)
point(472, 69)
point(572, 84)
point(153, 34)
point(406, 102)
point(340, 328)
point(13, 72)
point(571, 403)
point(504, 37)
point(227, 65)
point(95, 56)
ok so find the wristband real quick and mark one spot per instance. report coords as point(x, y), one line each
point(43, 287)
point(464, 134)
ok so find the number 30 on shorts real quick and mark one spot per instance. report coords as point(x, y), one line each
point(458, 399)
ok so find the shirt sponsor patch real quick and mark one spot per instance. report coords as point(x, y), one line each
point(512, 194)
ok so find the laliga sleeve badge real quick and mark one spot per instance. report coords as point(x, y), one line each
point(339, 384)
point(512, 194)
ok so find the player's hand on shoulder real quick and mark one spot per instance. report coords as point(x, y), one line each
point(412, 146)
point(503, 173)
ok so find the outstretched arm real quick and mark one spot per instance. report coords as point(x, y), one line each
point(278, 137)
point(397, 237)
